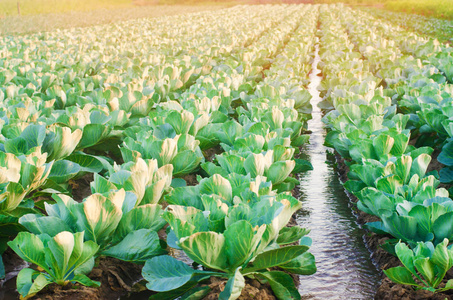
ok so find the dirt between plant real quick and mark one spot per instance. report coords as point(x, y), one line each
point(388, 290)
point(191, 179)
point(435, 165)
point(253, 290)
point(119, 278)
point(80, 188)
point(11, 261)
point(209, 154)
point(116, 277)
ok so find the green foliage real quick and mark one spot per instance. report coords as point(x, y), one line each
point(110, 220)
point(396, 89)
point(424, 267)
point(160, 104)
point(63, 258)
point(235, 241)
point(139, 176)
point(21, 175)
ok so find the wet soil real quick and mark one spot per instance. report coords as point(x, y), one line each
point(390, 291)
point(253, 290)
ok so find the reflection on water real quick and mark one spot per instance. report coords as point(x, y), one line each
point(345, 270)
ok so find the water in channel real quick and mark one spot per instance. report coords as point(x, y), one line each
point(345, 270)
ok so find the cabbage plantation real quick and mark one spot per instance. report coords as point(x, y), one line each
point(173, 145)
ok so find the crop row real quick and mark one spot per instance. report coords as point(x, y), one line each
point(70, 105)
point(386, 173)
point(67, 97)
point(437, 28)
point(77, 62)
point(421, 86)
point(260, 143)
point(423, 91)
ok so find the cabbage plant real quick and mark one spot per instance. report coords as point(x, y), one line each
point(111, 220)
point(258, 136)
point(182, 121)
point(182, 151)
point(18, 177)
point(423, 267)
point(413, 222)
point(61, 259)
point(389, 176)
point(232, 242)
point(57, 141)
point(21, 175)
point(139, 176)
point(229, 189)
point(261, 164)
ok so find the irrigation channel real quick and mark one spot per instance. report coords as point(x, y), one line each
point(345, 269)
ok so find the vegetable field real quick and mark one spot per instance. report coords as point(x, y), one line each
point(167, 150)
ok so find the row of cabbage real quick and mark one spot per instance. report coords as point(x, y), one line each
point(245, 193)
point(248, 186)
point(437, 28)
point(387, 174)
point(51, 107)
point(70, 66)
point(96, 114)
point(424, 93)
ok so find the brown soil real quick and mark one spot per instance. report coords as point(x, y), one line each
point(81, 187)
point(116, 277)
point(435, 165)
point(296, 192)
point(13, 264)
point(209, 154)
point(388, 290)
point(11, 260)
point(253, 290)
point(191, 179)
